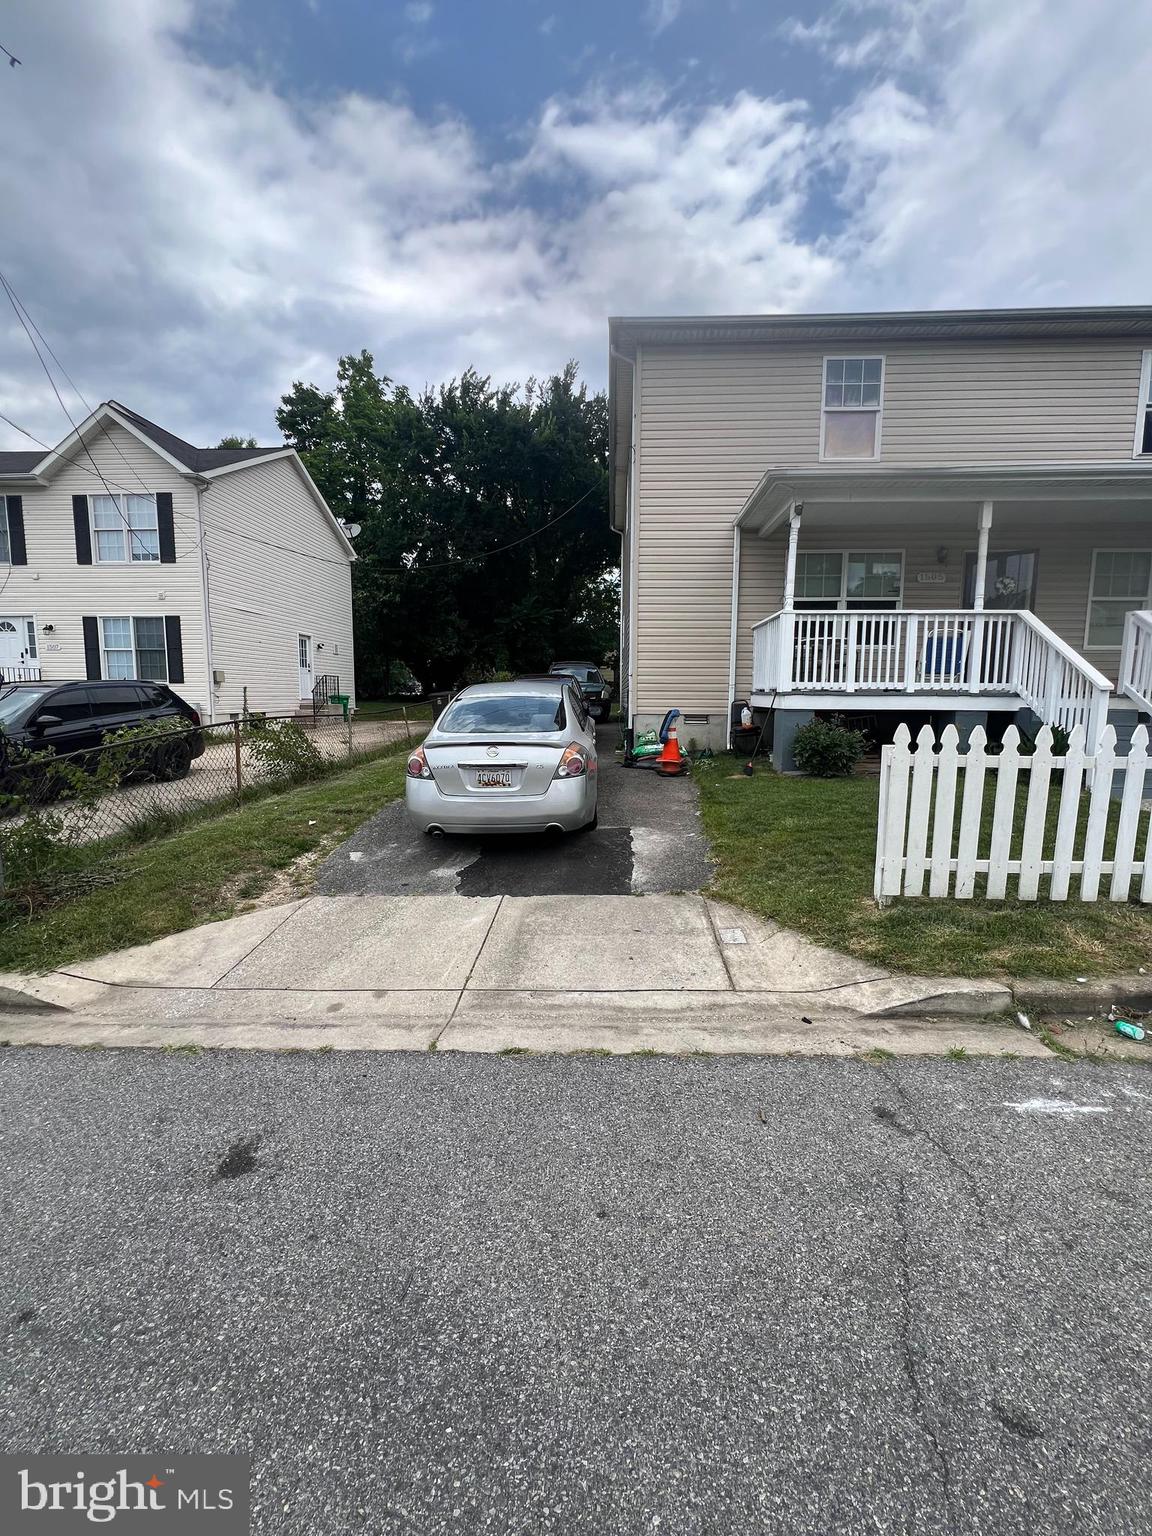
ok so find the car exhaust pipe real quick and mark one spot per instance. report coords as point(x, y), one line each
point(435, 831)
point(553, 826)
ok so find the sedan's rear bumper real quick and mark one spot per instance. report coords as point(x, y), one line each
point(567, 804)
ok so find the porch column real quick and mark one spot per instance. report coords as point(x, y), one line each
point(976, 648)
point(983, 526)
point(788, 623)
point(794, 516)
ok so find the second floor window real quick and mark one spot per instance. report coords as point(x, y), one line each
point(1144, 417)
point(853, 400)
point(125, 529)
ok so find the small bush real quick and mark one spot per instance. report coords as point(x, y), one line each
point(285, 752)
point(824, 749)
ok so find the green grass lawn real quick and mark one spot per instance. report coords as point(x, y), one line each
point(801, 851)
point(203, 871)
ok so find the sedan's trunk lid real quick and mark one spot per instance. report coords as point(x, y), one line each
point(470, 765)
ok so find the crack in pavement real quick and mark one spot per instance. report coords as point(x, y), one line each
point(907, 1350)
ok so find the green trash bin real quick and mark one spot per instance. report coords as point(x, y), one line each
point(342, 699)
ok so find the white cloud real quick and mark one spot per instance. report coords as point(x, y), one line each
point(662, 13)
point(419, 12)
point(191, 239)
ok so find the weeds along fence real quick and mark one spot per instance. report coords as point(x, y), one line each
point(1044, 821)
point(141, 781)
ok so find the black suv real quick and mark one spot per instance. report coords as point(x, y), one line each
point(74, 717)
point(597, 692)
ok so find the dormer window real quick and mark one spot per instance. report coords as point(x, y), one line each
point(853, 403)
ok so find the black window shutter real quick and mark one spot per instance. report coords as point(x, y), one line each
point(17, 548)
point(91, 645)
point(83, 536)
point(175, 647)
point(166, 527)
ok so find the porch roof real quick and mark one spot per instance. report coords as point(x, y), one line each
point(870, 484)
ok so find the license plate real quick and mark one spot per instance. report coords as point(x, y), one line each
point(493, 778)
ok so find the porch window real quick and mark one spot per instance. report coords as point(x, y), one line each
point(830, 579)
point(134, 648)
point(853, 401)
point(126, 529)
point(1144, 414)
point(1121, 581)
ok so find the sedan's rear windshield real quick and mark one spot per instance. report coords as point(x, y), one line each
point(514, 714)
point(581, 674)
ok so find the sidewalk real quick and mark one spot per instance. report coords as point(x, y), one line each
point(554, 973)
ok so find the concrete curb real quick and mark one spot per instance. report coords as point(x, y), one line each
point(17, 996)
point(1096, 995)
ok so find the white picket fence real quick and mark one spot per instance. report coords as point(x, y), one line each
point(919, 840)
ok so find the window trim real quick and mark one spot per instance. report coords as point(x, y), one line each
point(1111, 550)
point(94, 532)
point(1143, 408)
point(852, 357)
point(132, 617)
point(843, 600)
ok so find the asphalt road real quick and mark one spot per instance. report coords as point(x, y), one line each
point(649, 839)
point(526, 1295)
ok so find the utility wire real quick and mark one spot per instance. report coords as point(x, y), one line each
point(16, 310)
point(11, 57)
point(29, 326)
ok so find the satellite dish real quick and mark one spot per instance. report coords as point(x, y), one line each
point(351, 529)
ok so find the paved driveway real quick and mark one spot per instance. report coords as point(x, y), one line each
point(471, 1296)
point(649, 840)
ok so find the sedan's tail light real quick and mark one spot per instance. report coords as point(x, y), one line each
point(195, 713)
point(418, 765)
point(573, 762)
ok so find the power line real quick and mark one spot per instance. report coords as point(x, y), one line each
point(29, 326)
point(25, 324)
point(11, 57)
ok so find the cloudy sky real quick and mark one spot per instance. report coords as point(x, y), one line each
point(206, 199)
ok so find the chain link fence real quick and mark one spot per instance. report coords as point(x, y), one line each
point(147, 779)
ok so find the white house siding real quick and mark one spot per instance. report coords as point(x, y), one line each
point(713, 419)
point(55, 590)
point(262, 597)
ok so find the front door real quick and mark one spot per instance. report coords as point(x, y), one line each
point(15, 636)
point(1010, 581)
point(305, 645)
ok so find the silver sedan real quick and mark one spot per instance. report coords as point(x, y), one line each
point(507, 757)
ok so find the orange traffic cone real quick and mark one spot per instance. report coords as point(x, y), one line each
point(670, 762)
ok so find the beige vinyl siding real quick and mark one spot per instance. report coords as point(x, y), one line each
point(53, 589)
point(1064, 543)
point(712, 420)
point(262, 598)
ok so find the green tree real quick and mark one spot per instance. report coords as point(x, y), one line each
point(485, 543)
point(232, 441)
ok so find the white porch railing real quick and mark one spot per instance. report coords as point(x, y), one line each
point(20, 674)
point(1136, 660)
point(946, 652)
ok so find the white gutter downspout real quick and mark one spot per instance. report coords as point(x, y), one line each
point(732, 639)
point(631, 524)
point(207, 600)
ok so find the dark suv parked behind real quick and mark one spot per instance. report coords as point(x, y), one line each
point(74, 717)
